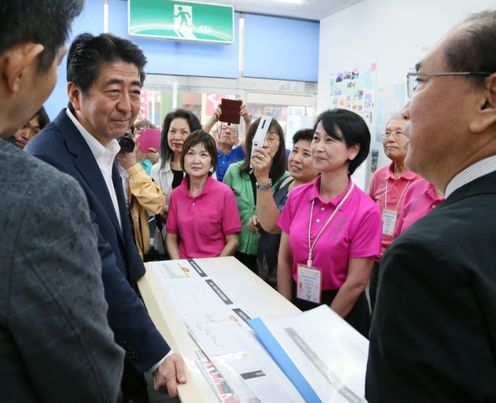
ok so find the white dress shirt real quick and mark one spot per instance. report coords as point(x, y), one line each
point(104, 156)
point(471, 173)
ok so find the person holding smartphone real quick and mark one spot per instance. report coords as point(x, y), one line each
point(241, 179)
point(226, 136)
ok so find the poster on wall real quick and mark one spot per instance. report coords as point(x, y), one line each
point(354, 89)
point(390, 101)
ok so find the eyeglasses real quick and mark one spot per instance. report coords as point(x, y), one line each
point(231, 128)
point(412, 79)
point(272, 139)
point(395, 134)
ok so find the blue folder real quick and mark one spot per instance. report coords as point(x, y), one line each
point(282, 359)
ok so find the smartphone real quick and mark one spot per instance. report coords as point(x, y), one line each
point(149, 138)
point(262, 129)
point(231, 110)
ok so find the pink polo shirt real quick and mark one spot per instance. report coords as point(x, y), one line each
point(420, 199)
point(388, 192)
point(203, 222)
point(354, 232)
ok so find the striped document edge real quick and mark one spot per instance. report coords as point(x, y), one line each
point(282, 359)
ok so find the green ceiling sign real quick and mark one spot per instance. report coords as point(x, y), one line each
point(181, 20)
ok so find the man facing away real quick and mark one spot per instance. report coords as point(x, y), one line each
point(105, 75)
point(55, 342)
point(433, 336)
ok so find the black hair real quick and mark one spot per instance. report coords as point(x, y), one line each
point(279, 161)
point(88, 53)
point(303, 134)
point(473, 48)
point(43, 119)
point(193, 123)
point(200, 137)
point(46, 22)
point(347, 126)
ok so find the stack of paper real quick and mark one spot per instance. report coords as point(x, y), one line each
point(323, 356)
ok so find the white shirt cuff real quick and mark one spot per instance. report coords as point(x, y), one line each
point(154, 367)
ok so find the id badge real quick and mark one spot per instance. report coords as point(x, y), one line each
point(309, 284)
point(388, 222)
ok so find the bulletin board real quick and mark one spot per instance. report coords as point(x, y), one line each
point(390, 100)
point(355, 89)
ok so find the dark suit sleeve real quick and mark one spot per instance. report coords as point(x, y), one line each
point(128, 318)
point(57, 309)
point(433, 327)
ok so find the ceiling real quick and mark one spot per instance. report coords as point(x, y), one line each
point(310, 10)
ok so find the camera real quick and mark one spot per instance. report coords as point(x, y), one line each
point(127, 143)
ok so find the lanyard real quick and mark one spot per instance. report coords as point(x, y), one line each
point(311, 245)
point(399, 198)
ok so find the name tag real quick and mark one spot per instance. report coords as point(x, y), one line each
point(309, 284)
point(388, 222)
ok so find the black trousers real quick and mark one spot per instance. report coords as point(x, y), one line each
point(133, 385)
point(373, 282)
point(249, 261)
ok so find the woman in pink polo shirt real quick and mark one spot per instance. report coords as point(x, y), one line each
point(331, 230)
point(203, 218)
point(420, 198)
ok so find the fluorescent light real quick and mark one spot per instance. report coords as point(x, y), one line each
point(290, 1)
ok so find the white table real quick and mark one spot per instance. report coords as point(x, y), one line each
point(251, 293)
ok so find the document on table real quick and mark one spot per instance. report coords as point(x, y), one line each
point(220, 328)
point(322, 354)
point(188, 289)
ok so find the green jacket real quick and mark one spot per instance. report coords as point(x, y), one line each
point(240, 183)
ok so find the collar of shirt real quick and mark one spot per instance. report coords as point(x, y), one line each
point(104, 155)
point(184, 186)
point(469, 174)
point(408, 175)
point(314, 193)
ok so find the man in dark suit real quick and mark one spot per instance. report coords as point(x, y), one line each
point(105, 75)
point(433, 336)
point(55, 341)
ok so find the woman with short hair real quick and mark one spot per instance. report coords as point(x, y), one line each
point(203, 219)
point(270, 204)
point(331, 230)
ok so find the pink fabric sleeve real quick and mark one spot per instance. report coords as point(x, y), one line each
point(231, 223)
point(372, 186)
point(171, 226)
point(401, 219)
point(366, 241)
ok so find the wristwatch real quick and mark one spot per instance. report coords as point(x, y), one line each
point(264, 186)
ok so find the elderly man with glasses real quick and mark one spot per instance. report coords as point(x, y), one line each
point(388, 188)
point(433, 336)
point(227, 139)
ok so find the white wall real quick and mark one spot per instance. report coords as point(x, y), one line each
point(394, 33)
